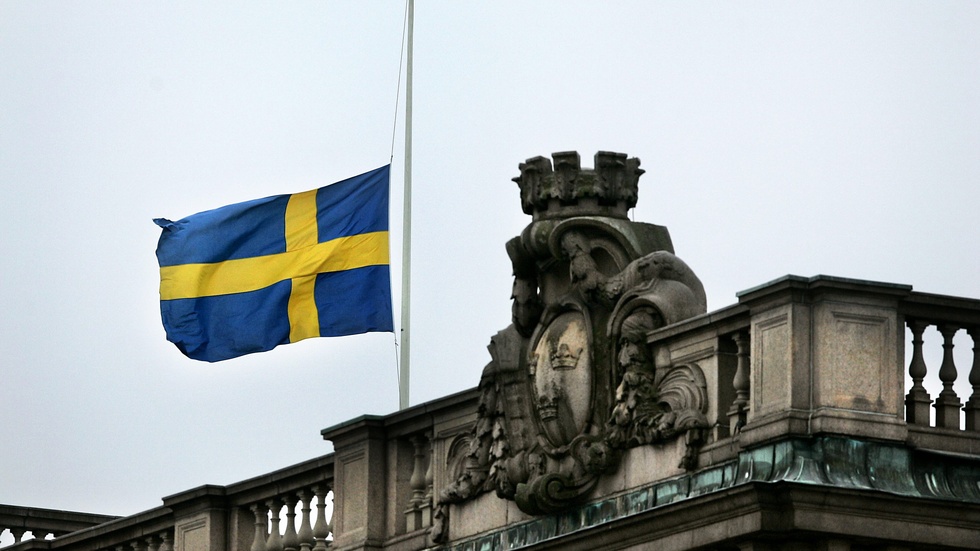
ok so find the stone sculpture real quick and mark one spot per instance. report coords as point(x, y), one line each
point(571, 382)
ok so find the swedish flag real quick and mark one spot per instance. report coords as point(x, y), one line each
point(248, 277)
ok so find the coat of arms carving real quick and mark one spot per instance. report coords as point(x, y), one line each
point(571, 382)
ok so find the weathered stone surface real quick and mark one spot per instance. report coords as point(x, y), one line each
point(572, 383)
point(616, 414)
point(826, 357)
point(808, 485)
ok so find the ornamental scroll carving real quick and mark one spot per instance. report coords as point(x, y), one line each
point(571, 383)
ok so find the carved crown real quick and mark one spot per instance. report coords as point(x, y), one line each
point(564, 357)
point(610, 189)
point(548, 407)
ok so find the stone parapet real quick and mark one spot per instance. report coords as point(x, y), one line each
point(617, 413)
point(826, 358)
point(389, 468)
point(801, 384)
point(154, 526)
point(46, 522)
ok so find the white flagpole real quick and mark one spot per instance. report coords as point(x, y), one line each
point(404, 371)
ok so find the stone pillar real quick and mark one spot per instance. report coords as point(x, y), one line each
point(413, 514)
point(827, 356)
point(947, 403)
point(917, 401)
point(199, 519)
point(360, 483)
point(738, 413)
point(972, 406)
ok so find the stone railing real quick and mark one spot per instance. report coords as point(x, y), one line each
point(815, 365)
point(385, 464)
point(259, 514)
point(151, 530)
point(288, 509)
point(807, 365)
point(954, 419)
point(390, 469)
point(45, 523)
point(801, 356)
point(718, 343)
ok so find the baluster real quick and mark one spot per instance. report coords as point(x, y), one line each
point(152, 543)
point(417, 482)
point(426, 505)
point(738, 413)
point(973, 404)
point(167, 541)
point(413, 514)
point(138, 545)
point(290, 541)
point(320, 528)
point(261, 524)
point(917, 400)
point(947, 404)
point(429, 474)
point(274, 542)
point(330, 527)
point(17, 533)
point(305, 529)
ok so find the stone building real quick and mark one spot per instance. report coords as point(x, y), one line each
point(616, 413)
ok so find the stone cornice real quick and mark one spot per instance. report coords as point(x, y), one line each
point(831, 474)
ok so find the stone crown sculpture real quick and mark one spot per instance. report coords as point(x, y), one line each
point(568, 189)
point(571, 383)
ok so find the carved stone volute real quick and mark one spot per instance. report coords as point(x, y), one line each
point(571, 383)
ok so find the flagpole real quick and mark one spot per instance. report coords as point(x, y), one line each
point(404, 370)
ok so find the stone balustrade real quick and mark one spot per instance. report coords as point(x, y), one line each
point(809, 355)
point(276, 521)
point(36, 523)
point(798, 368)
point(389, 470)
point(151, 530)
point(718, 345)
point(286, 510)
point(949, 315)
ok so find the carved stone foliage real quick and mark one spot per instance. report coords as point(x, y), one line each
point(571, 382)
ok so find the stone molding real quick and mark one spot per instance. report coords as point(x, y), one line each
point(842, 470)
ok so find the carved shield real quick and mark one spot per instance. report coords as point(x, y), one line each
point(562, 381)
point(560, 398)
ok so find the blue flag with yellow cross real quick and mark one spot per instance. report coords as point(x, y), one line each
point(248, 277)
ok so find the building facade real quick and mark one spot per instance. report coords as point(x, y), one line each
point(617, 413)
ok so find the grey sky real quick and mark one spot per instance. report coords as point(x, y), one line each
point(809, 138)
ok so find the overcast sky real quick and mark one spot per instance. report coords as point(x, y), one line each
point(779, 138)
